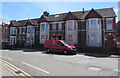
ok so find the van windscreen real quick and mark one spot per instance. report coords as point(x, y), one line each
point(65, 43)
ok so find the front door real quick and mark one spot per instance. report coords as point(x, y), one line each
point(110, 41)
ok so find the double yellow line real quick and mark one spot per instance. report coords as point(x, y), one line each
point(15, 69)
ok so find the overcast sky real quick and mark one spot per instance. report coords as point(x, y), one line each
point(30, 10)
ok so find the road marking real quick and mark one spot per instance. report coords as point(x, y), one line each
point(94, 68)
point(7, 58)
point(9, 69)
point(14, 68)
point(36, 68)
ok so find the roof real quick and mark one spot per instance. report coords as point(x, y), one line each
point(106, 12)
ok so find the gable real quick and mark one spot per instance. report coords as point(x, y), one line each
point(11, 24)
point(93, 14)
point(29, 22)
point(70, 16)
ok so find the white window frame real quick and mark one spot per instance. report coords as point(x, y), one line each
point(109, 26)
point(32, 33)
point(73, 24)
point(13, 30)
point(12, 40)
point(46, 26)
point(55, 26)
point(59, 29)
point(45, 37)
point(94, 31)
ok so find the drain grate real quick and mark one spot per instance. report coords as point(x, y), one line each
point(18, 71)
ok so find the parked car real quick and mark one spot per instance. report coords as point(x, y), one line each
point(59, 46)
point(5, 45)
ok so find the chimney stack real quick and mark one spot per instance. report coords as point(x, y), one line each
point(83, 10)
point(45, 13)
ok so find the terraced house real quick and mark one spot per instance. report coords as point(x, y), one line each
point(91, 28)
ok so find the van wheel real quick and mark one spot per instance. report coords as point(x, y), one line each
point(47, 50)
point(65, 51)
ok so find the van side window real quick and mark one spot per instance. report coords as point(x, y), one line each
point(59, 43)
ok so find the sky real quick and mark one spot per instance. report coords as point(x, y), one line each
point(30, 10)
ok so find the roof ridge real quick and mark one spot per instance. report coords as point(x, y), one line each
point(78, 11)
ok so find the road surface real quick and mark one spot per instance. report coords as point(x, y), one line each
point(40, 63)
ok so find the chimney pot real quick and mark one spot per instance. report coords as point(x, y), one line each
point(45, 13)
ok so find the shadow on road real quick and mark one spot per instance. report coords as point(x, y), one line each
point(92, 54)
point(98, 55)
point(58, 53)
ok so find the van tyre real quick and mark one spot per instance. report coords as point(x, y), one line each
point(65, 51)
point(48, 50)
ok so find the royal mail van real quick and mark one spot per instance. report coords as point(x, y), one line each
point(59, 46)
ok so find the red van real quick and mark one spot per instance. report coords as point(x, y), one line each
point(59, 46)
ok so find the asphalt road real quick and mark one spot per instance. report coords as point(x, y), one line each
point(40, 63)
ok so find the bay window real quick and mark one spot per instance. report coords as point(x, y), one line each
point(44, 27)
point(94, 32)
point(31, 30)
point(70, 25)
point(12, 40)
point(109, 24)
point(43, 38)
point(13, 30)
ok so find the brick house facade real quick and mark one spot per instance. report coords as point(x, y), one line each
point(94, 28)
point(4, 30)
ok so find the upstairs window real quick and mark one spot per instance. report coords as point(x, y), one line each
point(94, 24)
point(13, 30)
point(53, 26)
point(45, 27)
point(109, 23)
point(31, 30)
point(70, 25)
point(60, 26)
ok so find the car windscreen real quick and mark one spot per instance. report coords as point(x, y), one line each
point(65, 43)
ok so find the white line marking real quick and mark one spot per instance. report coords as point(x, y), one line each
point(7, 58)
point(36, 67)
